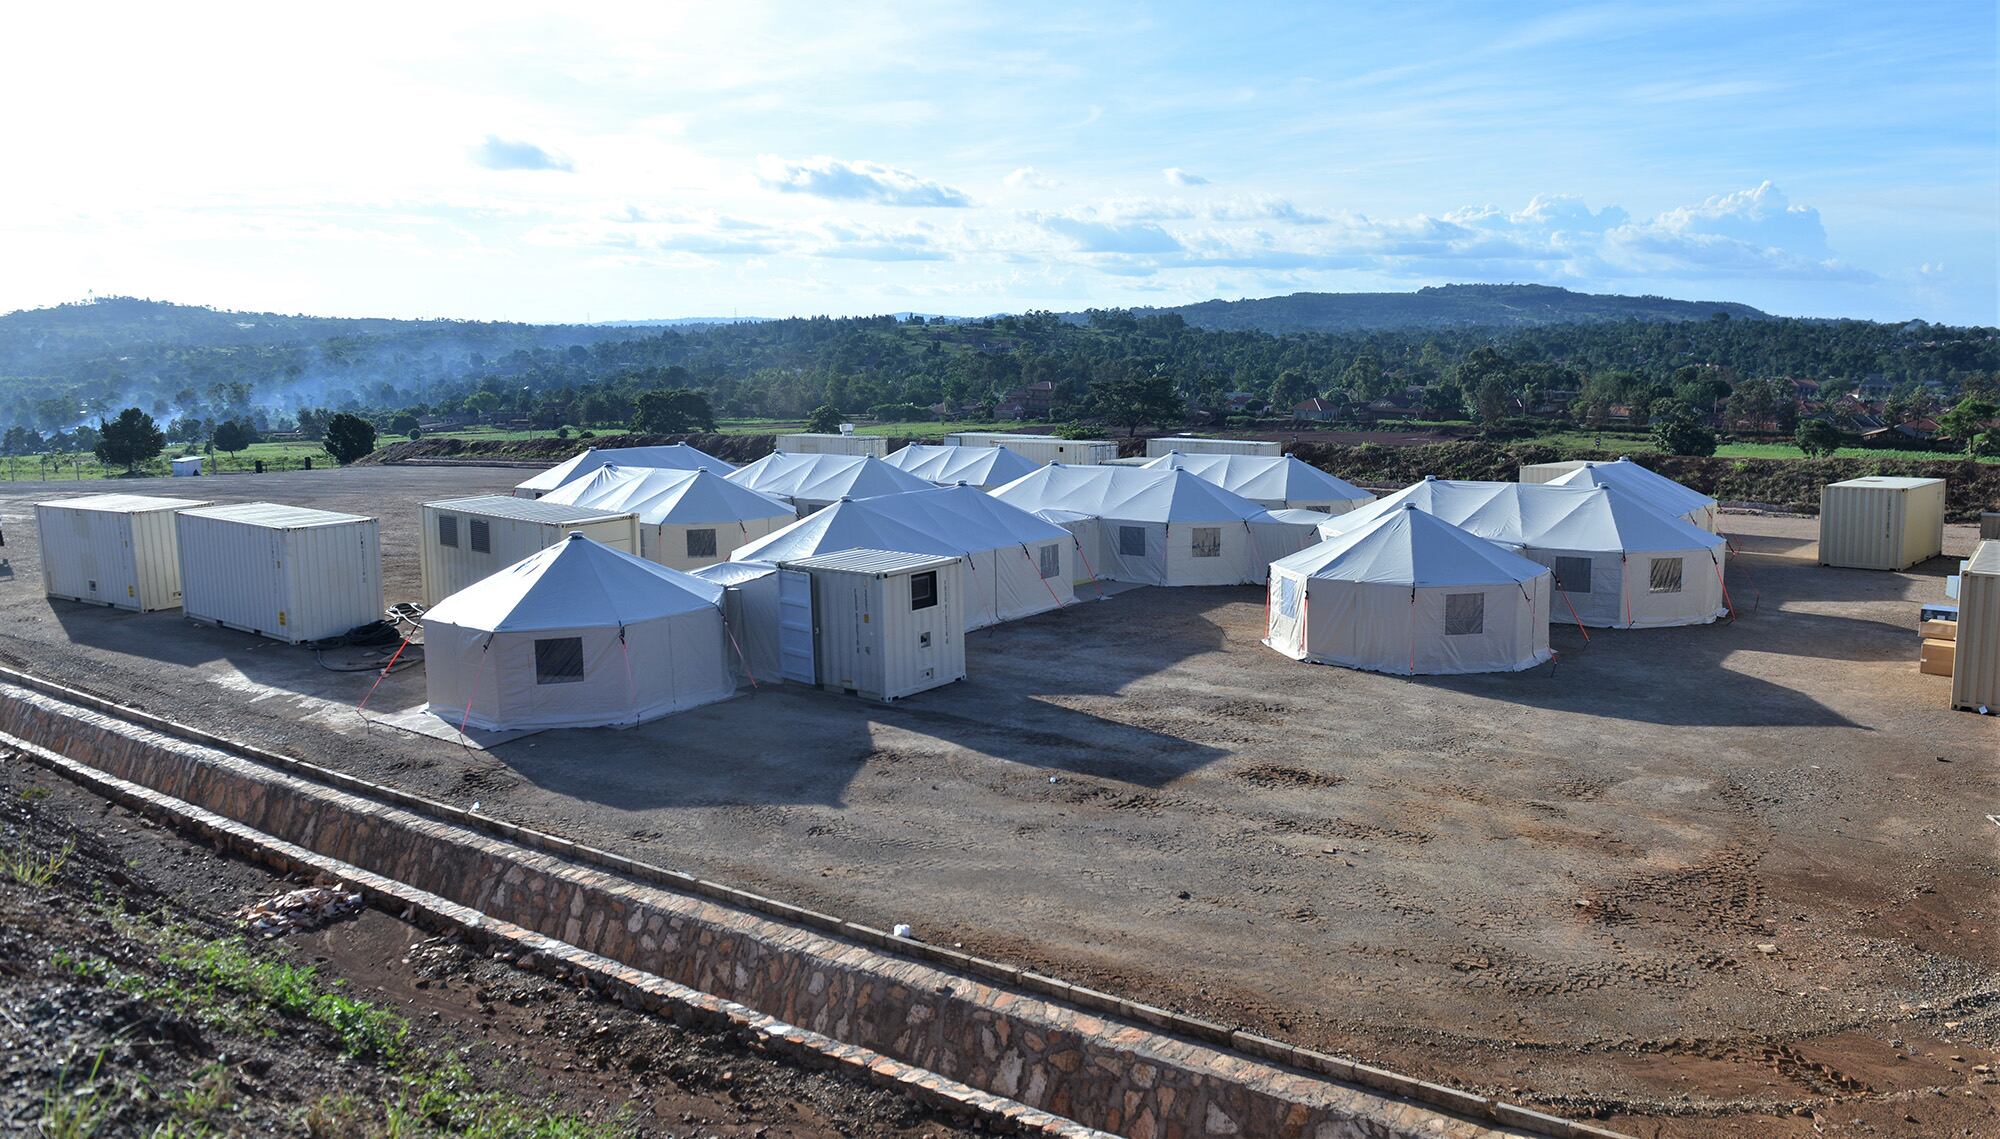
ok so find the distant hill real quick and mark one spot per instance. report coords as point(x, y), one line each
point(1444, 306)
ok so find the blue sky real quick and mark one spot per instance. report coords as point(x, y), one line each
point(497, 161)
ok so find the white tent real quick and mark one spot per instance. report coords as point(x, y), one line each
point(576, 635)
point(1276, 482)
point(1652, 488)
point(687, 519)
point(950, 465)
point(810, 482)
point(1016, 564)
point(674, 457)
point(1618, 562)
point(750, 614)
point(1161, 527)
point(1410, 593)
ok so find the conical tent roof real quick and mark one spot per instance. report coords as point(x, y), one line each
point(663, 497)
point(825, 478)
point(676, 456)
point(1540, 515)
point(1408, 546)
point(1265, 478)
point(1649, 486)
point(1136, 494)
point(576, 583)
point(949, 520)
point(950, 464)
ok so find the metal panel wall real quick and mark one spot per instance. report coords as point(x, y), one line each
point(873, 641)
point(814, 443)
point(125, 558)
point(1190, 445)
point(448, 569)
point(1548, 472)
point(289, 583)
point(1975, 676)
point(1881, 523)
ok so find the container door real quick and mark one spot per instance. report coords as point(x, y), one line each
point(797, 660)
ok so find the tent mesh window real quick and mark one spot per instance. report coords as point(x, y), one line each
point(1572, 574)
point(701, 543)
point(1664, 576)
point(1207, 541)
point(448, 530)
point(1288, 599)
point(480, 534)
point(1131, 541)
point(558, 660)
point(923, 589)
point(1051, 559)
point(1464, 614)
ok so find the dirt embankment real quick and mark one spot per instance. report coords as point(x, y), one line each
point(132, 1003)
point(550, 451)
point(1793, 484)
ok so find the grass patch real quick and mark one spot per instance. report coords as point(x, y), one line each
point(37, 871)
point(364, 1029)
point(75, 1112)
point(442, 1099)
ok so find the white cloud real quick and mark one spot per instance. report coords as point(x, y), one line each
point(1029, 178)
point(498, 153)
point(1176, 176)
point(825, 177)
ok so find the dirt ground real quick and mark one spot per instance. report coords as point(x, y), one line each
point(100, 1006)
point(1728, 880)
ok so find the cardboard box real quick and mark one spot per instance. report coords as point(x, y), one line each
point(1940, 630)
point(1937, 657)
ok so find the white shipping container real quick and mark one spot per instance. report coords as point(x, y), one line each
point(1042, 449)
point(1549, 472)
point(286, 572)
point(112, 549)
point(1195, 445)
point(1975, 673)
point(465, 540)
point(877, 624)
point(1881, 523)
point(815, 443)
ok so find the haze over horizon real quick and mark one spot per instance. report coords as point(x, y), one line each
point(636, 164)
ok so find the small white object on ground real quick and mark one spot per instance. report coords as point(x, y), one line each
point(902, 930)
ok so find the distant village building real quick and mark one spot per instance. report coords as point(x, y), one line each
point(1316, 410)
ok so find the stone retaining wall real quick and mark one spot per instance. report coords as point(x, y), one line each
point(1110, 1073)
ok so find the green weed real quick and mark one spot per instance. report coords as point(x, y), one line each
point(74, 1113)
point(37, 871)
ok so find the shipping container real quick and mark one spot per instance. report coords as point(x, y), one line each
point(1042, 448)
point(877, 624)
point(1975, 678)
point(815, 443)
point(1881, 523)
point(112, 549)
point(187, 466)
point(1548, 472)
point(290, 573)
point(1195, 445)
point(465, 540)
point(1989, 525)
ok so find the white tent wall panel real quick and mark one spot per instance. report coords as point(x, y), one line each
point(670, 544)
point(289, 583)
point(1622, 591)
point(1402, 630)
point(450, 568)
point(126, 558)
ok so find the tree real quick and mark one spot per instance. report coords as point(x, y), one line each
point(21, 441)
point(1817, 438)
point(677, 412)
point(825, 419)
point(1966, 421)
point(232, 436)
point(1489, 402)
point(1678, 430)
point(348, 437)
point(1291, 389)
point(403, 424)
point(1136, 398)
point(130, 439)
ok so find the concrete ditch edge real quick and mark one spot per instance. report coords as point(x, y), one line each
point(1247, 1054)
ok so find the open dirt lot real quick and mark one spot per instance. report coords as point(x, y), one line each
point(1727, 880)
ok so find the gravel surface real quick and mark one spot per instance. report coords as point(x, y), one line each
point(1556, 886)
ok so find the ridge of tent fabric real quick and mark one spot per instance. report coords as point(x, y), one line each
point(676, 456)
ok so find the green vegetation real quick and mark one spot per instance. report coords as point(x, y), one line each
point(1446, 306)
point(37, 871)
point(348, 437)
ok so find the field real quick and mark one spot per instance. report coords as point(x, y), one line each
point(1689, 880)
point(286, 456)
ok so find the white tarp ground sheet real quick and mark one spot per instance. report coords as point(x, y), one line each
point(1651, 487)
point(1618, 562)
point(1410, 593)
point(576, 635)
point(1276, 482)
point(677, 456)
point(812, 481)
point(1017, 565)
point(1161, 527)
point(950, 464)
point(687, 519)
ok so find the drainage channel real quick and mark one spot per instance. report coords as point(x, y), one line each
point(1024, 1051)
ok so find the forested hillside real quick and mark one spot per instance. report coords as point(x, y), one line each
point(1445, 306)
